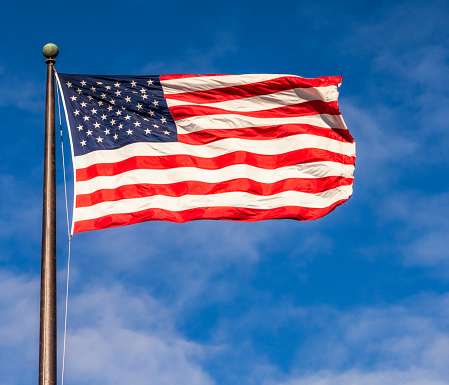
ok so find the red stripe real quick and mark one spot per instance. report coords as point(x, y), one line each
point(185, 76)
point(313, 107)
point(264, 133)
point(269, 162)
point(142, 190)
point(249, 90)
point(223, 213)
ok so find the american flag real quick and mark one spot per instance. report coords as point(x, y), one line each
point(185, 147)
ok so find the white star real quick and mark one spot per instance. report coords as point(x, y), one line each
point(86, 118)
point(167, 132)
point(137, 124)
point(120, 126)
point(108, 87)
point(109, 108)
point(123, 108)
point(128, 99)
point(100, 103)
point(117, 84)
point(89, 97)
point(112, 101)
point(147, 131)
point(83, 83)
point(133, 83)
point(150, 82)
point(103, 117)
point(155, 102)
point(99, 83)
point(155, 126)
point(83, 143)
point(164, 120)
point(96, 124)
point(151, 113)
point(129, 132)
point(83, 104)
point(134, 92)
point(144, 96)
point(79, 91)
point(139, 106)
point(99, 139)
point(73, 98)
point(76, 112)
point(103, 96)
point(112, 122)
point(106, 132)
point(143, 90)
point(93, 110)
point(89, 132)
point(146, 120)
point(118, 112)
point(115, 137)
point(69, 84)
point(80, 127)
point(118, 92)
point(93, 89)
point(127, 117)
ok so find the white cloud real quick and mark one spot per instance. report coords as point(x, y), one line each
point(114, 337)
point(117, 337)
point(405, 343)
point(115, 356)
point(355, 377)
point(19, 328)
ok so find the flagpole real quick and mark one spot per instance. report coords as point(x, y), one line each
point(47, 335)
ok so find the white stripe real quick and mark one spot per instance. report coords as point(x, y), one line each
point(233, 121)
point(202, 83)
point(272, 100)
point(230, 199)
point(210, 150)
point(182, 174)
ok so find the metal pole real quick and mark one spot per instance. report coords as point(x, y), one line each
point(47, 336)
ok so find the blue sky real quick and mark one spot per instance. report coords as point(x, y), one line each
point(358, 297)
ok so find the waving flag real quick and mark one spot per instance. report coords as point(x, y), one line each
point(186, 147)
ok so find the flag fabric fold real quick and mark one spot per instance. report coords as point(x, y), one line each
point(185, 147)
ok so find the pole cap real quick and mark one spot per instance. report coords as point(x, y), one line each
point(50, 50)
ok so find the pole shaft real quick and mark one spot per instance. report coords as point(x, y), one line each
point(47, 336)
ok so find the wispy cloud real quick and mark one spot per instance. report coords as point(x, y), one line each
point(185, 262)
point(21, 218)
point(423, 221)
point(194, 60)
point(380, 148)
point(406, 341)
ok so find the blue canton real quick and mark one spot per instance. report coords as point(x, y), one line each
point(109, 112)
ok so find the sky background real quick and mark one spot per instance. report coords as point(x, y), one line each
point(360, 296)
